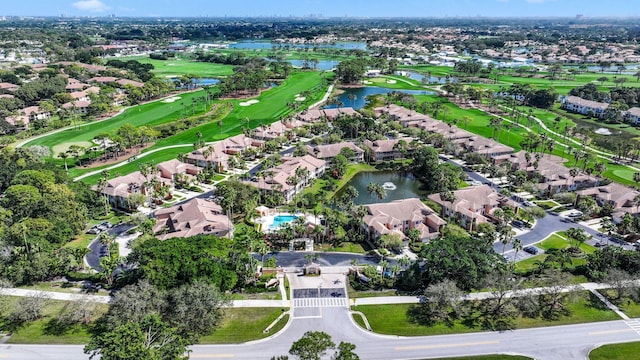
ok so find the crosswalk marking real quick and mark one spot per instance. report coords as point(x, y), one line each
point(319, 302)
point(634, 324)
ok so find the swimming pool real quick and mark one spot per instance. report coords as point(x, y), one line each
point(279, 220)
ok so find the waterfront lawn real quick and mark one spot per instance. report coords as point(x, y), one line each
point(245, 324)
point(394, 319)
point(401, 83)
point(616, 352)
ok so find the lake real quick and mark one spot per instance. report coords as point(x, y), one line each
point(261, 45)
point(406, 186)
point(361, 94)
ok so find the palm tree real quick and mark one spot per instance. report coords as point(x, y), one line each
point(352, 98)
point(107, 239)
point(64, 155)
point(384, 264)
point(79, 254)
point(495, 124)
point(636, 202)
point(517, 246)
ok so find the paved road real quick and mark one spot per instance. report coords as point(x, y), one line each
point(297, 259)
point(93, 257)
point(560, 342)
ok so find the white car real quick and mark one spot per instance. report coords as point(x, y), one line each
point(528, 204)
point(575, 213)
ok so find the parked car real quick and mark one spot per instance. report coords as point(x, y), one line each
point(107, 224)
point(94, 230)
point(575, 213)
point(528, 204)
point(530, 250)
point(517, 223)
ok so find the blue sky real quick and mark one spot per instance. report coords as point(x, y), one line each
point(355, 8)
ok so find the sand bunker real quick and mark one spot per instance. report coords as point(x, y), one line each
point(367, 82)
point(249, 102)
point(391, 81)
point(171, 99)
point(300, 98)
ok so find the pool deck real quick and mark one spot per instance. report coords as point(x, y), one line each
point(266, 222)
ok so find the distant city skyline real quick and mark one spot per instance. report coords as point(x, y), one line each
point(324, 8)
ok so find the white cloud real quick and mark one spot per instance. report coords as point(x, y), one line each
point(91, 5)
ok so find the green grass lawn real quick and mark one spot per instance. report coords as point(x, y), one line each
point(181, 66)
point(625, 304)
point(616, 352)
point(401, 82)
point(245, 324)
point(38, 332)
point(393, 319)
point(150, 114)
point(344, 247)
point(556, 241)
point(552, 242)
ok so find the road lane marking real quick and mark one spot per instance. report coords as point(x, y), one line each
point(418, 347)
point(608, 332)
point(211, 356)
point(308, 317)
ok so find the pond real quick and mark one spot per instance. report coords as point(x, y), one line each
point(206, 81)
point(322, 64)
point(406, 186)
point(266, 45)
point(432, 79)
point(361, 94)
point(200, 81)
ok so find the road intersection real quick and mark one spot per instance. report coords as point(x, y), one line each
point(320, 304)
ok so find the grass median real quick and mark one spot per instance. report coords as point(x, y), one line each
point(245, 324)
point(616, 352)
point(394, 319)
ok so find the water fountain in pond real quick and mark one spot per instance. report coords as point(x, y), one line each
point(389, 186)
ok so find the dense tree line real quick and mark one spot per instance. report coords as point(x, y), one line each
point(351, 71)
point(40, 89)
point(247, 78)
point(233, 58)
point(41, 210)
point(142, 71)
point(144, 322)
point(436, 177)
point(175, 262)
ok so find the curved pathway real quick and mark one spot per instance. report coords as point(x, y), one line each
point(26, 141)
point(599, 153)
point(141, 155)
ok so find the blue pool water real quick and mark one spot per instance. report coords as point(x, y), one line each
point(279, 220)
